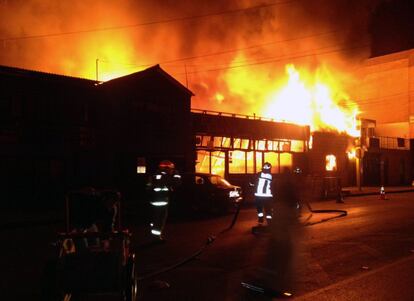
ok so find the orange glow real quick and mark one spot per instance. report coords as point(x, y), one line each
point(219, 97)
point(217, 163)
point(228, 70)
point(238, 71)
point(310, 99)
point(330, 163)
point(351, 154)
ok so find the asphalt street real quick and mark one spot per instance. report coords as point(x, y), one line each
point(366, 255)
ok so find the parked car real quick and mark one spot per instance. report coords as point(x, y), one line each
point(207, 193)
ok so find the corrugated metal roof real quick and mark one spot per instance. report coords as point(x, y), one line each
point(151, 70)
point(20, 72)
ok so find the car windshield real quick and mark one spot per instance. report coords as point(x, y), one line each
point(219, 181)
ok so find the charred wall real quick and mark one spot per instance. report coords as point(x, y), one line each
point(321, 182)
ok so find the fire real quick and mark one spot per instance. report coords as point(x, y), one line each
point(351, 153)
point(312, 100)
point(106, 58)
point(330, 163)
point(219, 97)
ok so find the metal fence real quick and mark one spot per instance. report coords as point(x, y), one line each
point(383, 142)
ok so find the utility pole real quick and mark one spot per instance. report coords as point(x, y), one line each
point(358, 157)
point(358, 173)
point(186, 75)
point(96, 68)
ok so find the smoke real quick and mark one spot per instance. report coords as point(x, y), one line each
point(226, 44)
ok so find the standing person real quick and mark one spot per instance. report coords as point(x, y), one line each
point(161, 184)
point(339, 196)
point(110, 206)
point(263, 194)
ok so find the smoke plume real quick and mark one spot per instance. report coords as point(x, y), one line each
point(227, 52)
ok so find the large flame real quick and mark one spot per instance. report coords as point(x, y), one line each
point(312, 100)
point(239, 71)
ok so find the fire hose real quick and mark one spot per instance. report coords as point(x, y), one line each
point(212, 238)
point(341, 213)
point(209, 241)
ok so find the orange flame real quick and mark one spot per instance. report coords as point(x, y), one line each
point(330, 163)
point(311, 101)
point(228, 70)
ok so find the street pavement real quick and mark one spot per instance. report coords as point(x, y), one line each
point(368, 255)
point(16, 219)
point(202, 261)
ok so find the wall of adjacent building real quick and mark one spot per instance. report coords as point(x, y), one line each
point(385, 93)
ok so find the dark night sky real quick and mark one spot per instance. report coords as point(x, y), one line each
point(392, 27)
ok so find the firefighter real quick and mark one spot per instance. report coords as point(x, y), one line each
point(263, 194)
point(161, 186)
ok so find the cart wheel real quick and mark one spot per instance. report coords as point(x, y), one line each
point(131, 282)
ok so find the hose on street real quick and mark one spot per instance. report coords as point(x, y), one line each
point(212, 238)
point(341, 213)
point(209, 241)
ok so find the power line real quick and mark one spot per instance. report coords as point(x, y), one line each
point(120, 27)
point(278, 59)
point(230, 50)
point(248, 62)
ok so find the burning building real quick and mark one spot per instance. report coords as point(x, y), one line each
point(73, 132)
point(236, 146)
point(79, 132)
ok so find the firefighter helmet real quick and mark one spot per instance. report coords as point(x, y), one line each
point(266, 167)
point(166, 165)
point(297, 170)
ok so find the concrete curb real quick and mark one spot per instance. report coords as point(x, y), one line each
point(362, 193)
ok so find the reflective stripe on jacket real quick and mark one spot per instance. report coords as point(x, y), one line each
point(263, 188)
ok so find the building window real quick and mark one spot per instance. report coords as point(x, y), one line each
point(259, 161)
point(286, 146)
point(226, 142)
point(245, 144)
point(261, 145)
point(141, 165)
point(206, 141)
point(401, 142)
point(217, 163)
point(203, 161)
point(330, 163)
point(285, 161)
point(237, 143)
point(250, 163)
point(297, 146)
point(237, 162)
point(273, 159)
point(217, 141)
point(198, 140)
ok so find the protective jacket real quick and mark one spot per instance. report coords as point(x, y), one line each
point(263, 185)
point(161, 186)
